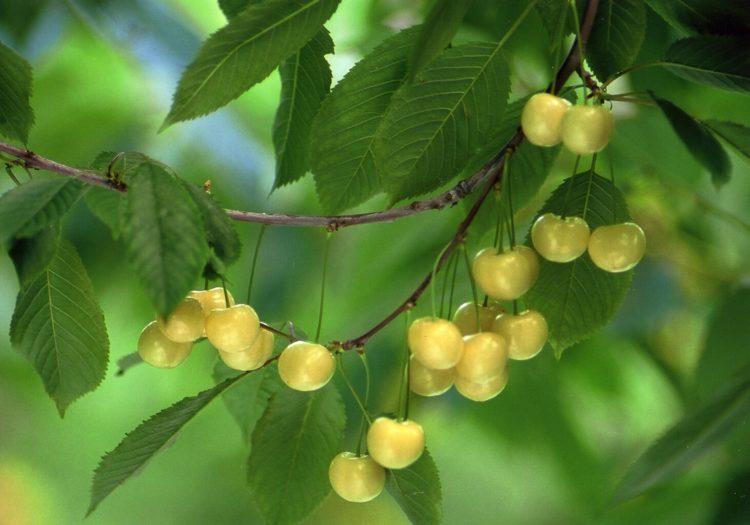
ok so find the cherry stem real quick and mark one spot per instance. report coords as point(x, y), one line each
point(588, 190)
point(291, 337)
point(403, 401)
point(323, 286)
point(226, 294)
point(579, 42)
point(634, 67)
point(569, 188)
point(511, 224)
point(361, 442)
point(339, 360)
point(453, 283)
point(474, 294)
point(9, 171)
point(445, 285)
point(254, 265)
point(498, 243)
point(435, 268)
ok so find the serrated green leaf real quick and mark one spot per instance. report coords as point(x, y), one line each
point(164, 236)
point(704, 16)
point(147, 440)
point(342, 157)
point(32, 206)
point(616, 37)
point(232, 8)
point(58, 325)
point(16, 115)
point(717, 61)
point(418, 492)
point(736, 135)
point(698, 140)
point(120, 165)
point(33, 255)
point(219, 228)
point(108, 206)
point(247, 401)
point(577, 298)
point(436, 33)
point(435, 125)
point(305, 82)
point(244, 52)
point(292, 446)
point(684, 443)
point(555, 16)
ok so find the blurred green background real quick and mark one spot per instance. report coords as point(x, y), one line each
point(549, 450)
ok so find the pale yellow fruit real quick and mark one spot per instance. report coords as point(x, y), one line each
point(232, 329)
point(560, 240)
point(482, 391)
point(395, 444)
point(465, 317)
point(586, 129)
point(541, 119)
point(185, 323)
point(211, 299)
point(507, 275)
point(485, 356)
point(428, 382)
point(525, 333)
point(306, 366)
point(437, 343)
point(617, 248)
point(356, 479)
point(252, 357)
point(157, 350)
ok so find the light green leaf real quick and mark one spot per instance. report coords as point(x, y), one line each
point(342, 156)
point(616, 37)
point(232, 8)
point(164, 236)
point(417, 491)
point(435, 125)
point(244, 52)
point(108, 206)
point(32, 206)
point(31, 256)
point(577, 298)
point(437, 31)
point(305, 82)
point(698, 140)
point(292, 446)
point(683, 444)
point(16, 115)
point(58, 325)
point(737, 135)
point(704, 16)
point(718, 61)
point(147, 440)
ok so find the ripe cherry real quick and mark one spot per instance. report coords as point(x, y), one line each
point(525, 333)
point(617, 248)
point(436, 343)
point(560, 240)
point(306, 366)
point(586, 129)
point(157, 350)
point(356, 478)
point(395, 444)
point(541, 119)
point(507, 275)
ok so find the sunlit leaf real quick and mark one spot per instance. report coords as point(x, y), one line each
point(418, 492)
point(16, 115)
point(58, 325)
point(616, 37)
point(718, 61)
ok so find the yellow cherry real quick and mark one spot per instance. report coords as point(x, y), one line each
point(525, 333)
point(428, 382)
point(560, 240)
point(617, 248)
point(541, 119)
point(586, 129)
point(356, 478)
point(252, 357)
point(232, 329)
point(465, 317)
point(211, 299)
point(185, 323)
point(306, 366)
point(482, 391)
point(157, 350)
point(436, 343)
point(395, 444)
point(485, 356)
point(507, 275)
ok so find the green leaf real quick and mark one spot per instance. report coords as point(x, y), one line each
point(292, 446)
point(698, 140)
point(164, 236)
point(435, 125)
point(120, 165)
point(417, 491)
point(717, 61)
point(617, 36)
point(16, 115)
point(148, 439)
point(220, 232)
point(33, 255)
point(556, 19)
point(578, 298)
point(58, 325)
point(244, 52)
point(108, 206)
point(736, 135)
point(248, 400)
point(305, 82)
point(684, 443)
point(437, 31)
point(704, 16)
point(232, 8)
point(343, 136)
point(32, 206)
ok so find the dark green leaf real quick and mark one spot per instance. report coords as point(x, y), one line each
point(164, 236)
point(435, 125)
point(417, 490)
point(718, 61)
point(344, 131)
point(737, 135)
point(684, 443)
point(733, 508)
point(58, 325)
point(616, 37)
point(33, 255)
point(698, 140)
point(293, 444)
point(31, 207)
point(143, 443)
point(556, 18)
point(16, 115)
point(119, 166)
point(305, 81)
point(232, 8)
point(577, 298)
point(437, 31)
point(705, 16)
point(244, 52)
point(108, 206)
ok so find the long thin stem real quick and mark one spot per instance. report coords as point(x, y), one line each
point(474, 294)
point(454, 271)
point(403, 412)
point(634, 67)
point(9, 171)
point(258, 242)
point(444, 287)
point(323, 287)
point(509, 187)
point(340, 361)
point(435, 268)
point(365, 420)
point(579, 42)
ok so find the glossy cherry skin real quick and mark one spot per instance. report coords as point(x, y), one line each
point(306, 366)
point(560, 240)
point(485, 356)
point(395, 444)
point(428, 382)
point(232, 329)
point(507, 275)
point(252, 357)
point(617, 248)
point(482, 391)
point(525, 333)
point(356, 479)
point(185, 323)
point(586, 129)
point(436, 343)
point(157, 350)
point(465, 317)
point(542, 117)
